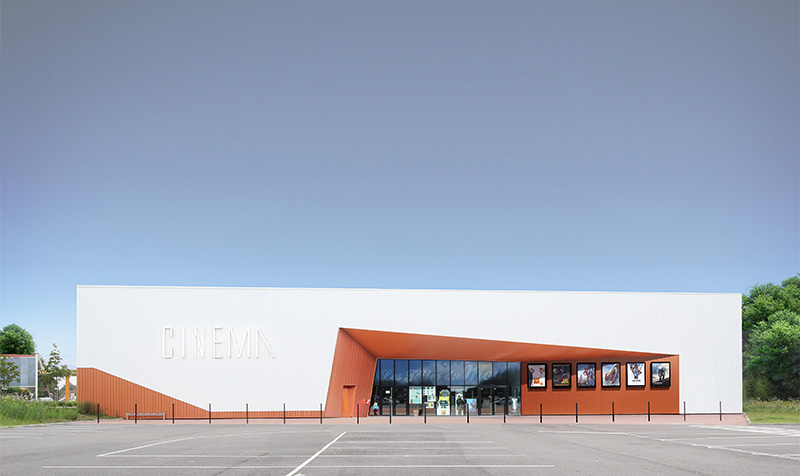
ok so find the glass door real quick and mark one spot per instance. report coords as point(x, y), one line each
point(486, 405)
point(499, 399)
point(400, 400)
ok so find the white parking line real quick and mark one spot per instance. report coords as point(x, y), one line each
point(438, 442)
point(509, 466)
point(438, 447)
point(442, 466)
point(317, 454)
point(715, 447)
point(320, 456)
point(742, 437)
point(165, 467)
point(770, 444)
point(149, 446)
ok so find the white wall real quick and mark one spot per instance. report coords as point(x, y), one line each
point(120, 331)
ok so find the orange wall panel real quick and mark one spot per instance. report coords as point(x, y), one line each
point(353, 366)
point(117, 396)
point(598, 400)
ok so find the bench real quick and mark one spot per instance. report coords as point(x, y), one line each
point(163, 415)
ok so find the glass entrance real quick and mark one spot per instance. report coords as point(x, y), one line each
point(500, 400)
point(400, 400)
point(442, 387)
point(486, 401)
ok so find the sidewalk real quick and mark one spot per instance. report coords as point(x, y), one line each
point(692, 419)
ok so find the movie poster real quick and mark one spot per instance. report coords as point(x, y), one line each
point(585, 375)
point(430, 396)
point(472, 404)
point(415, 395)
point(444, 402)
point(635, 374)
point(610, 374)
point(659, 374)
point(537, 375)
point(561, 375)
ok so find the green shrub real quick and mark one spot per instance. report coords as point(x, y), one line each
point(87, 408)
point(17, 411)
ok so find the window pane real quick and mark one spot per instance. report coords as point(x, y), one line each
point(513, 373)
point(470, 373)
point(457, 372)
point(428, 372)
point(387, 372)
point(401, 373)
point(415, 372)
point(484, 373)
point(500, 370)
point(443, 372)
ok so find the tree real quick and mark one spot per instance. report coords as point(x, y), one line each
point(771, 339)
point(16, 340)
point(9, 372)
point(52, 370)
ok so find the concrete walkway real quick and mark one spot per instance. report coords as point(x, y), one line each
point(692, 419)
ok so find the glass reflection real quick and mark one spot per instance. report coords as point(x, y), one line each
point(457, 372)
point(470, 373)
point(442, 372)
point(415, 372)
point(387, 372)
point(499, 369)
point(428, 372)
point(485, 373)
point(401, 373)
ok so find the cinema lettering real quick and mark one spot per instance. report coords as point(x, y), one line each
point(218, 342)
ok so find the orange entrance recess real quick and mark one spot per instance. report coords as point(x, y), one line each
point(353, 369)
point(357, 351)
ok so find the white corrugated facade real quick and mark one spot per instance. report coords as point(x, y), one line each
point(135, 333)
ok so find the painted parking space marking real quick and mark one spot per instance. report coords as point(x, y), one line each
point(315, 455)
point(723, 439)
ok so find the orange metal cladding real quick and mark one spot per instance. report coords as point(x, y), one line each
point(117, 396)
point(392, 345)
point(598, 400)
point(353, 366)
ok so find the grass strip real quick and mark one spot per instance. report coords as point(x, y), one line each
point(772, 411)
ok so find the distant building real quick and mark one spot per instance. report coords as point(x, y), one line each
point(29, 366)
point(441, 351)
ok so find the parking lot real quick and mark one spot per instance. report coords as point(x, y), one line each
point(429, 449)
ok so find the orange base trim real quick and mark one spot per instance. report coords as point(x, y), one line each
point(118, 396)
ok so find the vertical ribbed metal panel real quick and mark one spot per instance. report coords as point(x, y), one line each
point(120, 331)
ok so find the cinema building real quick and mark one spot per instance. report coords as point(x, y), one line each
point(255, 351)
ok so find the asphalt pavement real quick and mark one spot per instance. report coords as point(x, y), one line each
point(304, 448)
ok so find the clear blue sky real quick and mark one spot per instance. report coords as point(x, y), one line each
point(610, 146)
